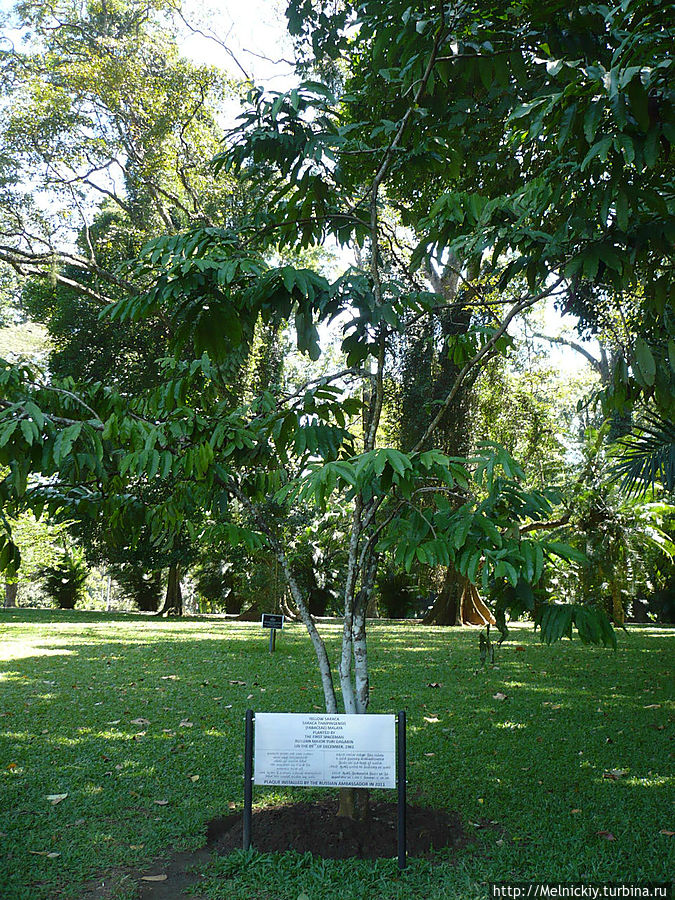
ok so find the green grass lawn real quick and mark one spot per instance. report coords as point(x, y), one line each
point(121, 713)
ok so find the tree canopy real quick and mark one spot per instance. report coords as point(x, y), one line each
point(522, 150)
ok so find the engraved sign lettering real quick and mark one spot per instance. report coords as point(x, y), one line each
point(318, 750)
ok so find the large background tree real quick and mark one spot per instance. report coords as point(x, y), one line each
point(109, 130)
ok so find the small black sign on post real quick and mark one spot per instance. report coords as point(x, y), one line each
point(274, 622)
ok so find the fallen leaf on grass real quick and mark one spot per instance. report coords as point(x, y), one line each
point(170, 678)
point(50, 854)
point(653, 706)
point(499, 696)
point(607, 835)
point(161, 802)
point(184, 723)
point(136, 846)
point(434, 684)
point(520, 649)
point(431, 719)
point(575, 810)
point(140, 721)
point(239, 682)
point(666, 832)
point(231, 805)
point(12, 766)
point(154, 878)
point(193, 777)
point(430, 754)
point(56, 798)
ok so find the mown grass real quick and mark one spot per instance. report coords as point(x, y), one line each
point(72, 685)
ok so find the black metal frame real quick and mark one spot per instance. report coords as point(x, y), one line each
point(248, 778)
point(400, 778)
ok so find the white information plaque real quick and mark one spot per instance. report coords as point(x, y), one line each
point(322, 750)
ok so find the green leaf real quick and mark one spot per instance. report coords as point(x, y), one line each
point(566, 552)
point(671, 354)
point(599, 149)
point(7, 433)
point(27, 429)
point(398, 461)
point(639, 103)
point(645, 361)
point(591, 120)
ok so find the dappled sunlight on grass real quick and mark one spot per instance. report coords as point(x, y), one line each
point(20, 650)
point(569, 715)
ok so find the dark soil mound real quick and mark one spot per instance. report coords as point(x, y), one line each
point(315, 827)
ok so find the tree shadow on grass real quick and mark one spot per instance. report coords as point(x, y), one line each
point(141, 725)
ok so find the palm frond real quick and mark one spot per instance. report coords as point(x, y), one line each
point(647, 457)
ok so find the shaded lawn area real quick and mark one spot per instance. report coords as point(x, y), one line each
point(123, 712)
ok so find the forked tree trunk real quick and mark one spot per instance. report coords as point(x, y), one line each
point(288, 610)
point(11, 591)
point(173, 602)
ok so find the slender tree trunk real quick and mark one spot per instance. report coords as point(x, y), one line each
point(617, 605)
point(11, 591)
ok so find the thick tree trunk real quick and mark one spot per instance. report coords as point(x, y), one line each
point(448, 605)
point(458, 603)
point(173, 602)
point(11, 591)
point(251, 614)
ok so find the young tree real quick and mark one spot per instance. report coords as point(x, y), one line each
point(325, 167)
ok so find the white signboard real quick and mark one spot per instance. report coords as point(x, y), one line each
point(320, 750)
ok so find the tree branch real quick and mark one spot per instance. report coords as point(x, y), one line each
point(473, 362)
point(596, 363)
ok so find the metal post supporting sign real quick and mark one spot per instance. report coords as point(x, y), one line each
point(248, 778)
point(341, 767)
point(401, 779)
